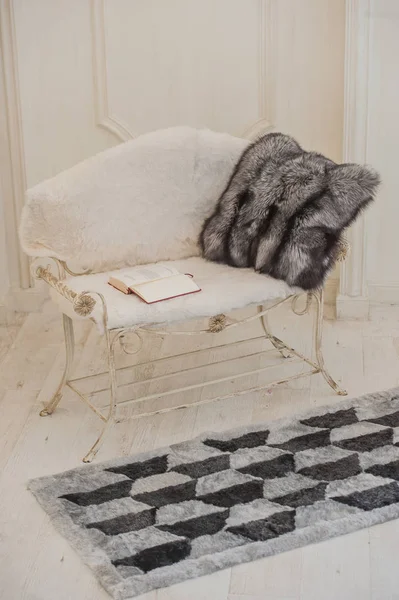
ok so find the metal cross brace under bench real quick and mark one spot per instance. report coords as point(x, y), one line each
point(217, 324)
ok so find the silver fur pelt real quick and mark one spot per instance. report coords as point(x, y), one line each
point(284, 211)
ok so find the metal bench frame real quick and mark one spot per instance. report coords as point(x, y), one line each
point(83, 305)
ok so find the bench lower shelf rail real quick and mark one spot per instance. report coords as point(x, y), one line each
point(217, 324)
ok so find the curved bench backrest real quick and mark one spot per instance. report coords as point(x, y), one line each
point(139, 202)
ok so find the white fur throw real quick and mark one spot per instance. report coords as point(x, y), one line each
point(223, 289)
point(139, 202)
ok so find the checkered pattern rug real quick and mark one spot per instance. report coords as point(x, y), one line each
point(152, 520)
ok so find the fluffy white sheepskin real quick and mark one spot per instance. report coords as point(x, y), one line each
point(140, 202)
point(143, 202)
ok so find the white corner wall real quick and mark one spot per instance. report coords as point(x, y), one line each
point(382, 222)
point(4, 277)
point(4, 251)
point(83, 75)
point(371, 275)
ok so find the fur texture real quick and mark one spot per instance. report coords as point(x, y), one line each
point(284, 210)
point(223, 290)
point(139, 202)
point(343, 491)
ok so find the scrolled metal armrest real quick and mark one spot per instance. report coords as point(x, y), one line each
point(83, 304)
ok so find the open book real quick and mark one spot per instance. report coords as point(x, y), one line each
point(155, 283)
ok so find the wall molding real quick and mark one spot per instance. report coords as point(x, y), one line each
point(121, 130)
point(382, 293)
point(352, 307)
point(25, 300)
point(99, 52)
point(353, 285)
point(330, 291)
point(12, 149)
point(7, 316)
point(266, 65)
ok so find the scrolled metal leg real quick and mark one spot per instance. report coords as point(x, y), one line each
point(113, 399)
point(277, 343)
point(319, 297)
point(69, 352)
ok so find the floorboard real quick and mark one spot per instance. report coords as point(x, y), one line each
point(36, 563)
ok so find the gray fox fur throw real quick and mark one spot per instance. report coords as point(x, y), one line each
point(284, 210)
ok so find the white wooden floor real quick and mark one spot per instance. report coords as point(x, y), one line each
point(36, 563)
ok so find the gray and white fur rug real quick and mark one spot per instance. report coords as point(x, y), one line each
point(155, 519)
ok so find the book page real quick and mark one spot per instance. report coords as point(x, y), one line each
point(163, 289)
point(143, 274)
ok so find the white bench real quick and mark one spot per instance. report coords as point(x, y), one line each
point(138, 203)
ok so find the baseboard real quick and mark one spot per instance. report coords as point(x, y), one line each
point(330, 291)
point(353, 307)
point(380, 297)
point(384, 294)
point(3, 314)
point(8, 316)
point(29, 300)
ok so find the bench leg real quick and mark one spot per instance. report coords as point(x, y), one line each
point(110, 419)
point(277, 343)
point(69, 353)
point(319, 297)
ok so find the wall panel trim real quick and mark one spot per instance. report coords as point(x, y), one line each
point(353, 271)
point(103, 118)
point(266, 82)
point(12, 149)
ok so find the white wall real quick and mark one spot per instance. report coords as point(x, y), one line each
point(382, 258)
point(92, 73)
point(4, 278)
point(309, 40)
point(371, 133)
point(4, 266)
